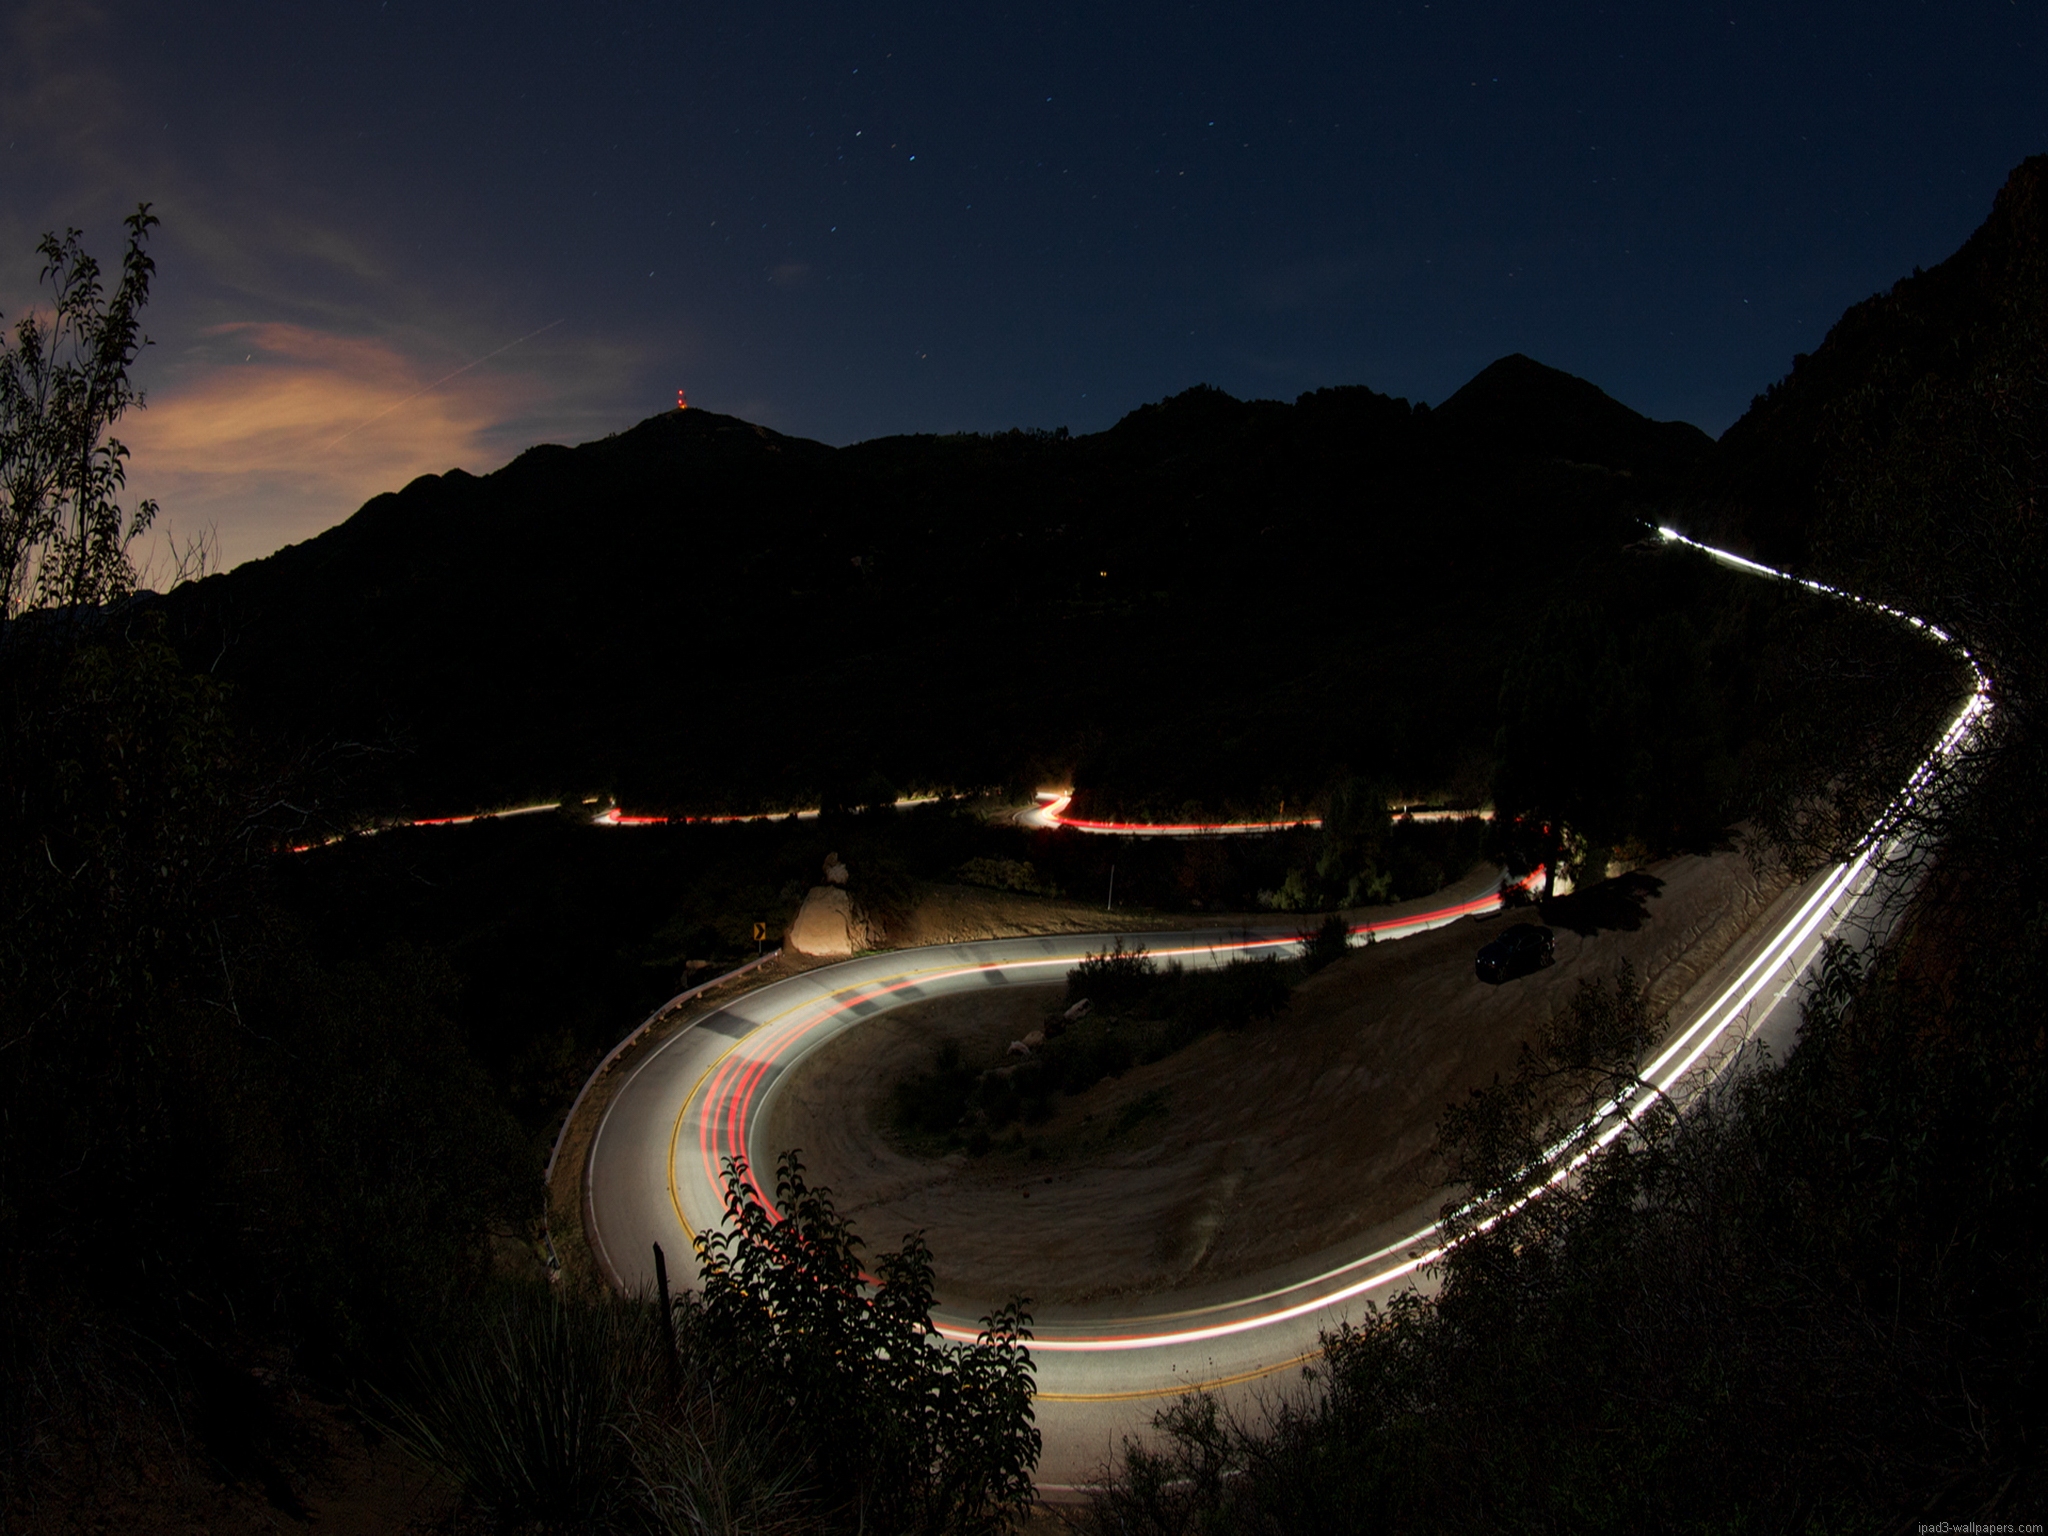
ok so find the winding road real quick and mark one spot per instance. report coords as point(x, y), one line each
point(653, 1169)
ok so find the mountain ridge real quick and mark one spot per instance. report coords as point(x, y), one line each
point(549, 624)
point(1767, 478)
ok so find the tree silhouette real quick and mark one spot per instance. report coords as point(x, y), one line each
point(64, 536)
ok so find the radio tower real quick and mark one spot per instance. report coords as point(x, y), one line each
point(682, 401)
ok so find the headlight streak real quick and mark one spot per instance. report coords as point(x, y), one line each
point(426, 821)
point(463, 821)
point(1681, 1069)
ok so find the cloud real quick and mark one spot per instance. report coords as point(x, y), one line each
point(59, 83)
point(73, 151)
point(270, 432)
point(345, 366)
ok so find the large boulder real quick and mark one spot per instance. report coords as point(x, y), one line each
point(825, 924)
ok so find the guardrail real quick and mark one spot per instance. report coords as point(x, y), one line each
point(554, 1153)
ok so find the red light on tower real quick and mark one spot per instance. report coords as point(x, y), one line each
point(682, 401)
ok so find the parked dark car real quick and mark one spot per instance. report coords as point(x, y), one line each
point(1519, 950)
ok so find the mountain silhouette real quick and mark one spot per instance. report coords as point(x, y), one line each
point(1766, 479)
point(1235, 596)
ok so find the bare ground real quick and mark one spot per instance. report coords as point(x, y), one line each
point(1247, 1150)
point(334, 1477)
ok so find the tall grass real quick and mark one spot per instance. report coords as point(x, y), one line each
point(562, 1414)
point(709, 1470)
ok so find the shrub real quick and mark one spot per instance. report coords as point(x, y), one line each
point(1082, 1057)
point(1115, 979)
point(1242, 992)
point(907, 1434)
point(1138, 1111)
point(1329, 942)
point(932, 1103)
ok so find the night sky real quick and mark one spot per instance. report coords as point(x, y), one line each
point(846, 221)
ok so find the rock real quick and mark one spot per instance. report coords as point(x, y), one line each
point(1019, 1048)
point(1035, 1039)
point(824, 925)
point(1078, 1011)
point(835, 871)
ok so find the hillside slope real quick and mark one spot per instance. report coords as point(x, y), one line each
point(1772, 471)
point(700, 612)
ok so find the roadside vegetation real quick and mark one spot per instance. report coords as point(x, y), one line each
point(790, 1395)
point(1121, 1009)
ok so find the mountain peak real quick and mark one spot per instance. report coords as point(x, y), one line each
point(1546, 411)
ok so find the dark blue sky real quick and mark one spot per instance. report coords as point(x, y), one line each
point(846, 220)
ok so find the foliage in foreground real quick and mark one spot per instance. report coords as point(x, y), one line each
point(564, 1414)
point(224, 1159)
point(221, 1156)
point(907, 1433)
point(792, 1394)
point(64, 382)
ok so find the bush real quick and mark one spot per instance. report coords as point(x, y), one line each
point(1329, 942)
point(907, 1434)
point(1147, 1104)
point(799, 1395)
point(1242, 992)
point(1114, 979)
point(1096, 1048)
point(1153, 1014)
point(932, 1103)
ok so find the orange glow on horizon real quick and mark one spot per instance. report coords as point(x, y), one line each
point(305, 427)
